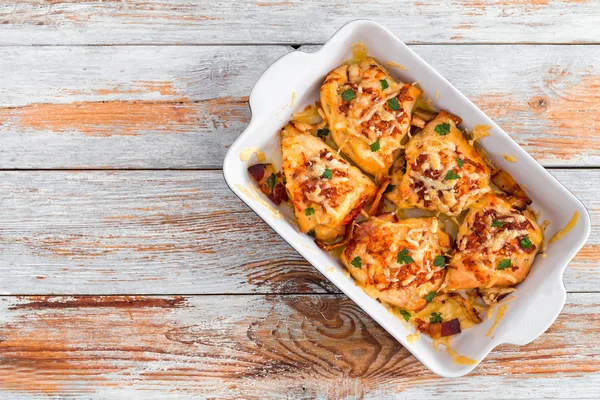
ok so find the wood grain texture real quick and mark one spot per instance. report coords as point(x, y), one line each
point(167, 232)
point(295, 21)
point(181, 107)
point(298, 346)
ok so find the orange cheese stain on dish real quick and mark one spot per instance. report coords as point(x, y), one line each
point(499, 317)
point(437, 94)
point(479, 132)
point(560, 234)
point(458, 359)
point(413, 337)
point(359, 52)
point(249, 151)
point(490, 310)
point(293, 99)
point(509, 158)
point(396, 65)
point(444, 341)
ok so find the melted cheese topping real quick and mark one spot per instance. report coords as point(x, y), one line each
point(560, 234)
point(324, 188)
point(493, 232)
point(449, 309)
point(443, 172)
point(310, 116)
point(249, 151)
point(369, 125)
point(383, 274)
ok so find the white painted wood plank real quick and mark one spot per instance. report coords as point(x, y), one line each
point(165, 232)
point(265, 347)
point(295, 21)
point(181, 107)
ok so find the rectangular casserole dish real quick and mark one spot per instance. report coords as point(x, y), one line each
point(293, 82)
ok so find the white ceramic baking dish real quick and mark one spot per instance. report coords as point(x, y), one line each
point(293, 82)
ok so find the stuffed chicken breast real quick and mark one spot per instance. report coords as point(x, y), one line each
point(496, 245)
point(368, 113)
point(443, 171)
point(326, 191)
point(399, 262)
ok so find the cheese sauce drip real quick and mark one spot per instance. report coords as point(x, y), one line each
point(458, 359)
point(249, 151)
point(479, 132)
point(499, 316)
point(560, 234)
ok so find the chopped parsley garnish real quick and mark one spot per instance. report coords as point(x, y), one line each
point(404, 258)
point(443, 129)
point(271, 181)
point(389, 188)
point(504, 264)
point(312, 233)
point(436, 318)
point(348, 95)
point(357, 262)
point(375, 146)
point(526, 243)
point(405, 314)
point(393, 104)
point(327, 174)
point(450, 176)
point(309, 211)
point(384, 84)
point(460, 162)
point(430, 296)
point(322, 133)
point(497, 223)
point(440, 261)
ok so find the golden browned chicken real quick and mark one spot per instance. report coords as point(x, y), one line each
point(443, 171)
point(496, 245)
point(399, 262)
point(326, 191)
point(368, 113)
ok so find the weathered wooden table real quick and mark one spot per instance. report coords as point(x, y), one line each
point(129, 270)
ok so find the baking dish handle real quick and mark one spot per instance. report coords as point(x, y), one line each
point(270, 81)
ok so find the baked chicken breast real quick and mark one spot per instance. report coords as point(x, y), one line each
point(368, 113)
point(326, 191)
point(399, 262)
point(496, 245)
point(443, 171)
